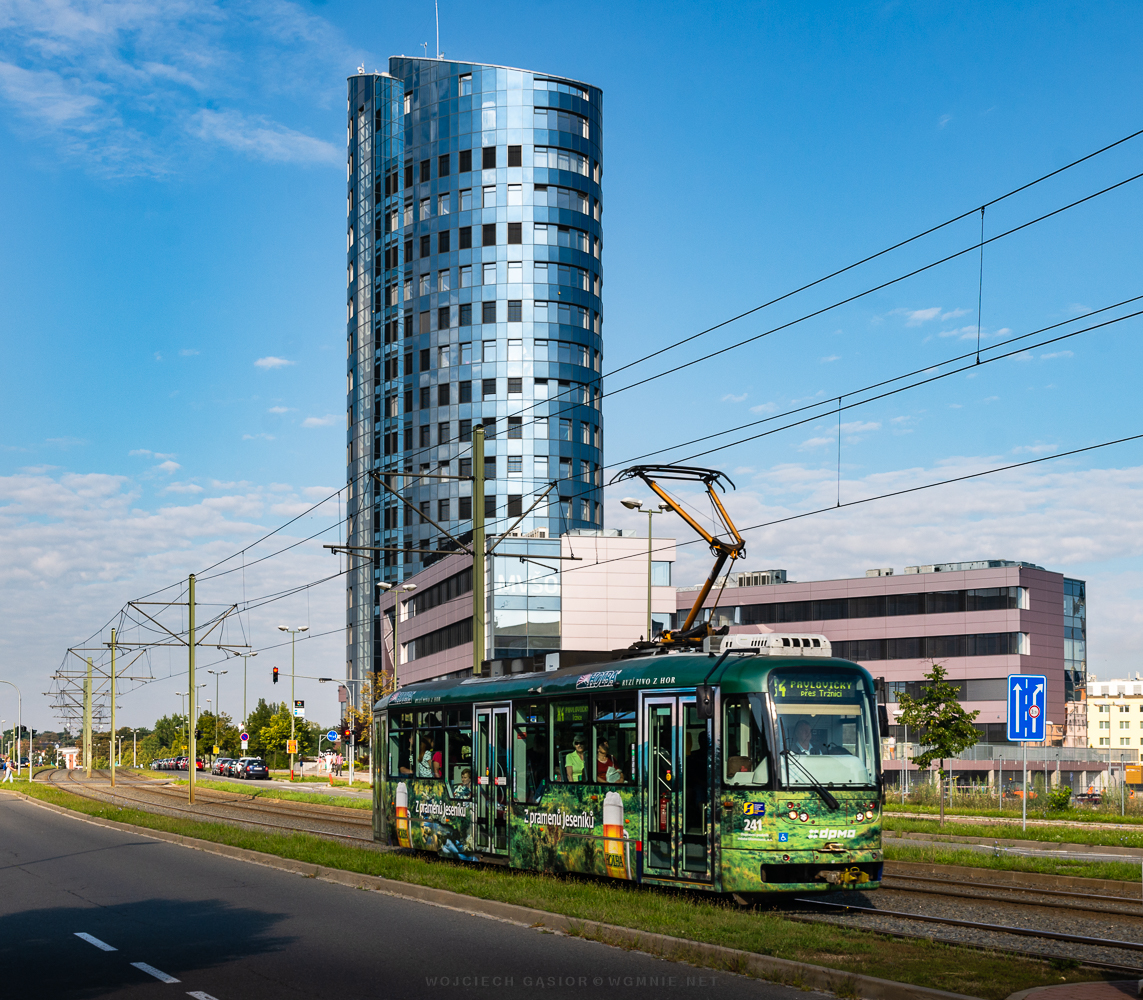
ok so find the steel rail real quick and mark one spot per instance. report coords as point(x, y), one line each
point(73, 785)
point(1008, 888)
point(996, 928)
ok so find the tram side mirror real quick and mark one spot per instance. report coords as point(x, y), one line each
point(704, 701)
point(883, 719)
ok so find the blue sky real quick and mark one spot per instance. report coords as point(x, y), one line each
point(172, 284)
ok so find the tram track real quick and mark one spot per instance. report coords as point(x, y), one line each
point(252, 812)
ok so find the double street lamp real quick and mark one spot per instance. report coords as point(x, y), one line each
point(245, 658)
point(217, 674)
point(662, 508)
point(293, 708)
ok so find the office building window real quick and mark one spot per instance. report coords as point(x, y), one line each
point(487, 388)
point(442, 432)
point(424, 350)
point(490, 505)
point(465, 512)
point(488, 312)
point(515, 386)
point(515, 505)
point(425, 511)
point(443, 241)
point(540, 467)
point(424, 212)
point(444, 357)
point(466, 201)
point(465, 435)
point(464, 389)
point(443, 393)
point(442, 510)
point(515, 159)
point(424, 436)
point(443, 280)
point(488, 157)
point(464, 237)
point(488, 350)
point(514, 310)
point(466, 314)
point(515, 232)
point(585, 510)
point(423, 284)
point(488, 273)
point(515, 427)
point(465, 156)
point(488, 234)
point(489, 424)
point(540, 427)
point(443, 165)
point(424, 397)
point(466, 276)
point(515, 197)
point(488, 196)
point(565, 430)
point(565, 468)
point(424, 171)
point(515, 462)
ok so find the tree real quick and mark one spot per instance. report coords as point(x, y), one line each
point(256, 721)
point(169, 729)
point(945, 728)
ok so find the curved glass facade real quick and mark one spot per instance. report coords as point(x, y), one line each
point(474, 276)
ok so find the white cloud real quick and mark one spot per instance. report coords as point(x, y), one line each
point(1057, 354)
point(1034, 449)
point(943, 120)
point(278, 409)
point(188, 352)
point(259, 138)
point(830, 357)
point(916, 317)
point(131, 88)
point(329, 420)
point(258, 437)
point(730, 398)
point(147, 453)
point(272, 362)
point(168, 467)
point(860, 427)
point(280, 488)
point(764, 408)
point(182, 488)
point(954, 314)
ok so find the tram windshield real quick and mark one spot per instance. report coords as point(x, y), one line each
point(824, 729)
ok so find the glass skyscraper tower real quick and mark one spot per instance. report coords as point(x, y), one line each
point(474, 275)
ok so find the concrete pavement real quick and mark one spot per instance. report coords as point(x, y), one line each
point(229, 930)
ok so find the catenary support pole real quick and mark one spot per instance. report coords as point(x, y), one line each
point(112, 747)
point(87, 721)
point(293, 705)
point(192, 718)
point(477, 551)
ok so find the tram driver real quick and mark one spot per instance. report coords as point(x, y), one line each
point(803, 736)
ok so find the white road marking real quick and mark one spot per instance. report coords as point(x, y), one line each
point(200, 995)
point(152, 971)
point(102, 945)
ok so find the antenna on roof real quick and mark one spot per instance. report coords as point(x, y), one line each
point(437, 12)
point(425, 46)
point(361, 70)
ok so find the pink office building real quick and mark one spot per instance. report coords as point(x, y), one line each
point(981, 620)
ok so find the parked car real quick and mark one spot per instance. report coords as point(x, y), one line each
point(220, 764)
point(1088, 799)
point(254, 768)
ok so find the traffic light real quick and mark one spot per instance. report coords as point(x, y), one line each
point(275, 675)
point(198, 734)
point(346, 733)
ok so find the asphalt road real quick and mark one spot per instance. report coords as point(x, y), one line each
point(230, 930)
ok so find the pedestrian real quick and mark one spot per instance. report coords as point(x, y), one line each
point(6, 764)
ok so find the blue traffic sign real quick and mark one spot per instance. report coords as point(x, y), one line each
point(1027, 707)
point(331, 736)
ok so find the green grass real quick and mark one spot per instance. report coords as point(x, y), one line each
point(262, 791)
point(1013, 831)
point(1102, 814)
point(1120, 871)
point(989, 975)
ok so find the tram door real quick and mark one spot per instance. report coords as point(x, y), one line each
point(492, 770)
point(678, 769)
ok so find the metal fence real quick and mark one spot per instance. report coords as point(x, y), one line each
point(1012, 752)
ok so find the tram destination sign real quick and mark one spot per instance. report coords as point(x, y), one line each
point(1027, 707)
point(816, 687)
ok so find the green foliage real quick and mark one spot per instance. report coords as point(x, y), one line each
point(256, 721)
point(169, 729)
point(946, 728)
point(149, 748)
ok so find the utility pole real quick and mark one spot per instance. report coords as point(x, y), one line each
point(87, 721)
point(112, 748)
point(477, 553)
point(217, 674)
point(192, 719)
point(293, 708)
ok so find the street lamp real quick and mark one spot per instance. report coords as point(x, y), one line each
point(293, 634)
point(134, 749)
point(20, 729)
point(897, 713)
point(181, 695)
point(245, 657)
point(662, 508)
point(397, 590)
point(217, 674)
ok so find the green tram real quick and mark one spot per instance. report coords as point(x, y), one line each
point(754, 772)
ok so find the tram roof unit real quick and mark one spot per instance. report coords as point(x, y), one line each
point(740, 674)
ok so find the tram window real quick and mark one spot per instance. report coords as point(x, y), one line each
point(401, 734)
point(530, 751)
point(613, 745)
point(429, 761)
point(570, 753)
point(457, 749)
point(744, 757)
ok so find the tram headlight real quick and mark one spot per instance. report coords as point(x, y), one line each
point(803, 816)
point(860, 817)
point(793, 814)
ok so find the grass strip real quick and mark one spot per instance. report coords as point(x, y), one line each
point(1118, 871)
point(265, 792)
point(1098, 814)
point(1012, 831)
point(990, 975)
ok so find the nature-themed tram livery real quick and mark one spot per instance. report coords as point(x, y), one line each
point(755, 771)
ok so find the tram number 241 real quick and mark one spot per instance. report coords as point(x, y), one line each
point(753, 825)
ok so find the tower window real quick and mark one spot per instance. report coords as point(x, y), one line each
point(514, 157)
point(466, 314)
point(515, 505)
point(515, 232)
point(515, 386)
point(443, 165)
point(466, 85)
point(515, 427)
point(464, 158)
point(514, 310)
point(487, 388)
point(488, 158)
point(444, 314)
point(488, 312)
point(424, 170)
point(442, 510)
point(443, 241)
point(488, 234)
point(425, 249)
point(465, 508)
point(465, 237)
point(464, 391)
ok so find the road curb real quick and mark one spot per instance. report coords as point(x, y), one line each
point(780, 970)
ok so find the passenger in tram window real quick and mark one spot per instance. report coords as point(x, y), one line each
point(463, 790)
point(405, 753)
point(430, 762)
point(575, 763)
point(738, 765)
point(606, 770)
